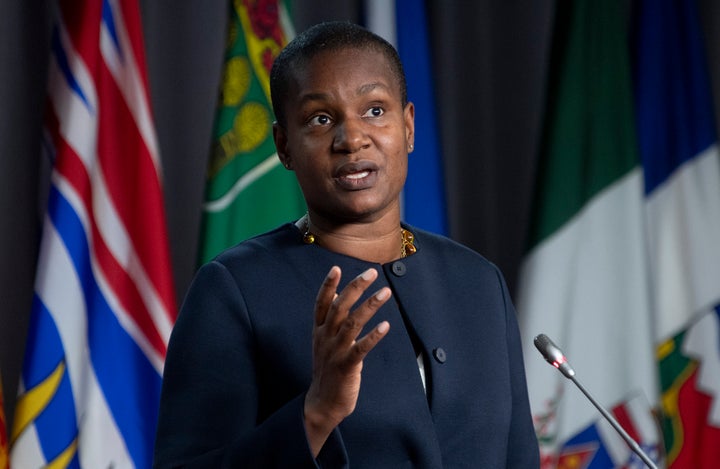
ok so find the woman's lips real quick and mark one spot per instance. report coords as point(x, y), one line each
point(357, 176)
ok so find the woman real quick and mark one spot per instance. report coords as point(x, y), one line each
point(408, 354)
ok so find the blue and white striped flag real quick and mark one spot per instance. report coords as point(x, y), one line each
point(104, 302)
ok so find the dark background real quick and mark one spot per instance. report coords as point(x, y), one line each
point(490, 60)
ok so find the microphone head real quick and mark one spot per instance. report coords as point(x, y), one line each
point(542, 342)
point(553, 355)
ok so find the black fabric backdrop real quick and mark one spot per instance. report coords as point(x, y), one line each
point(490, 60)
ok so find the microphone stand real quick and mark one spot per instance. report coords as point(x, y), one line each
point(556, 358)
point(608, 416)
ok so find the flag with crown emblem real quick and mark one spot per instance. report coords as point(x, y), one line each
point(104, 301)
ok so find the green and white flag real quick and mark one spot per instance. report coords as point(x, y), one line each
point(584, 282)
point(248, 191)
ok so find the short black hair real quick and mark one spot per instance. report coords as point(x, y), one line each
point(328, 36)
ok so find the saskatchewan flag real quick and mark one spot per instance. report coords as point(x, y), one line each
point(624, 265)
point(248, 191)
point(584, 281)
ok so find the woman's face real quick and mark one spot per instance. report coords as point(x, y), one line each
point(347, 135)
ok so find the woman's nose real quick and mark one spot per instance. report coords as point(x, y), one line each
point(350, 136)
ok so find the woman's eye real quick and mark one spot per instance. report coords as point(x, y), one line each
point(375, 111)
point(321, 119)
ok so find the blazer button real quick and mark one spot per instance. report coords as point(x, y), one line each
point(399, 269)
point(439, 355)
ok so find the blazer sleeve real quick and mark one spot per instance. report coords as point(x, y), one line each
point(208, 410)
point(523, 445)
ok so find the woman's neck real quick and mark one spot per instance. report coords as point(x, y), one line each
point(379, 241)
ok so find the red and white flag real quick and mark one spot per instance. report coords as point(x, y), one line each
point(104, 302)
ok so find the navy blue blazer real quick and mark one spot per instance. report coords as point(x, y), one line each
point(239, 363)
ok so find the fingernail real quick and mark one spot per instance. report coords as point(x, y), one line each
point(333, 272)
point(382, 294)
point(368, 274)
point(383, 327)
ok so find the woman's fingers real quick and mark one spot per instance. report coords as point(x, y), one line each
point(364, 345)
point(326, 295)
point(339, 326)
point(340, 307)
point(337, 352)
point(353, 324)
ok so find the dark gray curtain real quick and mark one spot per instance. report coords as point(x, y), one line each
point(490, 58)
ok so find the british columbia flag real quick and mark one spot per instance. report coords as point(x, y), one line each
point(104, 302)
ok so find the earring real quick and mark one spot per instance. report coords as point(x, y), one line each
point(411, 147)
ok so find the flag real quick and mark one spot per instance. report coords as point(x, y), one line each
point(248, 191)
point(3, 434)
point(599, 445)
point(424, 192)
point(584, 280)
point(690, 376)
point(104, 303)
point(403, 23)
point(678, 146)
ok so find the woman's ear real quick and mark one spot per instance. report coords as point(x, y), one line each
point(409, 116)
point(280, 138)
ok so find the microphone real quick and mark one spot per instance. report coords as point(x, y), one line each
point(553, 355)
point(556, 358)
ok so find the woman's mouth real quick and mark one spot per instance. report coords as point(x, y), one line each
point(357, 176)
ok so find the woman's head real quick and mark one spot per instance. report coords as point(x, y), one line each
point(344, 126)
point(327, 37)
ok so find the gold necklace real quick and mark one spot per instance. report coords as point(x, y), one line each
point(407, 239)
